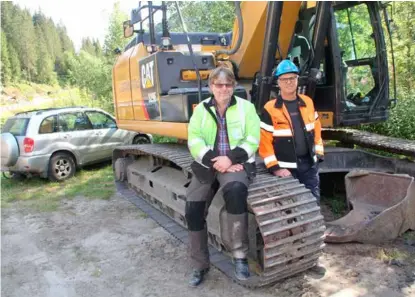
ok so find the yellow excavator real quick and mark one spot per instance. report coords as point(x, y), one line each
point(340, 50)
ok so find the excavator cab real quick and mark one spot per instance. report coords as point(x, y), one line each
point(353, 86)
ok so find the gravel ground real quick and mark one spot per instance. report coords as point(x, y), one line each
point(109, 248)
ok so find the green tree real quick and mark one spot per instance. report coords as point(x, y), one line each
point(50, 35)
point(98, 48)
point(15, 68)
point(66, 42)
point(92, 74)
point(5, 61)
point(202, 16)
point(404, 38)
point(26, 45)
point(10, 18)
point(115, 36)
point(87, 45)
point(44, 64)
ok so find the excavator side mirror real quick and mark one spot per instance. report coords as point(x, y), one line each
point(128, 29)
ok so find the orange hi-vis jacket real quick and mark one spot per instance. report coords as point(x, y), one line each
point(277, 146)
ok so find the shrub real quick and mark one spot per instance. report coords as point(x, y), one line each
point(401, 122)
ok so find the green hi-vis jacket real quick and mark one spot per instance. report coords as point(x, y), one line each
point(243, 127)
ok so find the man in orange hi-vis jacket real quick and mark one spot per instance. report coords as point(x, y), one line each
point(291, 141)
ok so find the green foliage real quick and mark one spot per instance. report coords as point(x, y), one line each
point(355, 40)
point(91, 73)
point(163, 139)
point(202, 16)
point(16, 72)
point(336, 204)
point(34, 45)
point(401, 122)
point(91, 46)
point(403, 15)
point(115, 36)
point(44, 63)
point(34, 49)
point(5, 61)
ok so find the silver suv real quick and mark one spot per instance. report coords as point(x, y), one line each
point(53, 142)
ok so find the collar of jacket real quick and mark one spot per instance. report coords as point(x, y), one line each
point(211, 102)
point(279, 101)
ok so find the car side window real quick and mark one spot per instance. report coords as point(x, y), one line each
point(48, 125)
point(100, 120)
point(74, 121)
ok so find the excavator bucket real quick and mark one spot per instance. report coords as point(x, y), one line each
point(382, 208)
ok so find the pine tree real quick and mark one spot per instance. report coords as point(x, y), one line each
point(88, 46)
point(66, 42)
point(5, 61)
point(98, 48)
point(26, 46)
point(44, 63)
point(15, 68)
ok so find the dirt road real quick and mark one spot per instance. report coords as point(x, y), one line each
point(109, 248)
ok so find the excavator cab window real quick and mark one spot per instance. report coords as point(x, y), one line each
point(358, 55)
point(354, 81)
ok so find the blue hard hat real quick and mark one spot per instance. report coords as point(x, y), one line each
point(286, 66)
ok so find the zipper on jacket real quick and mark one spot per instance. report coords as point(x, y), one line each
point(305, 135)
point(292, 130)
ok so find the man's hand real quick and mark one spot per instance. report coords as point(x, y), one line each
point(235, 168)
point(282, 173)
point(222, 163)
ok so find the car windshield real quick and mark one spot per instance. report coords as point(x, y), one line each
point(16, 126)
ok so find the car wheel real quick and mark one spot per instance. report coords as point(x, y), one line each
point(141, 139)
point(61, 167)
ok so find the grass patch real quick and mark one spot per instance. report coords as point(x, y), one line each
point(164, 139)
point(391, 254)
point(409, 235)
point(43, 195)
point(336, 204)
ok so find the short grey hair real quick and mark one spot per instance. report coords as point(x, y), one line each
point(218, 71)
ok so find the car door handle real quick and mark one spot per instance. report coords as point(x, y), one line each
point(98, 133)
point(66, 136)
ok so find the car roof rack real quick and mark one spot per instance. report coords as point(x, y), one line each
point(39, 111)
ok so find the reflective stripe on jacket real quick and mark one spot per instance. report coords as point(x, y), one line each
point(277, 140)
point(242, 124)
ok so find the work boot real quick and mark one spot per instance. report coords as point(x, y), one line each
point(197, 277)
point(241, 269)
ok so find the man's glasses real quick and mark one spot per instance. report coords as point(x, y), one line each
point(288, 79)
point(220, 86)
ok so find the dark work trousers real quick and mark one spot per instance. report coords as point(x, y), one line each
point(307, 174)
point(199, 196)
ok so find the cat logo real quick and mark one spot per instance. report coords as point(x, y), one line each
point(147, 75)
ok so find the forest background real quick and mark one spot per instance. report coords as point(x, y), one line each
point(38, 57)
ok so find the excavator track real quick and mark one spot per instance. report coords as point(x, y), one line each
point(289, 228)
point(371, 140)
